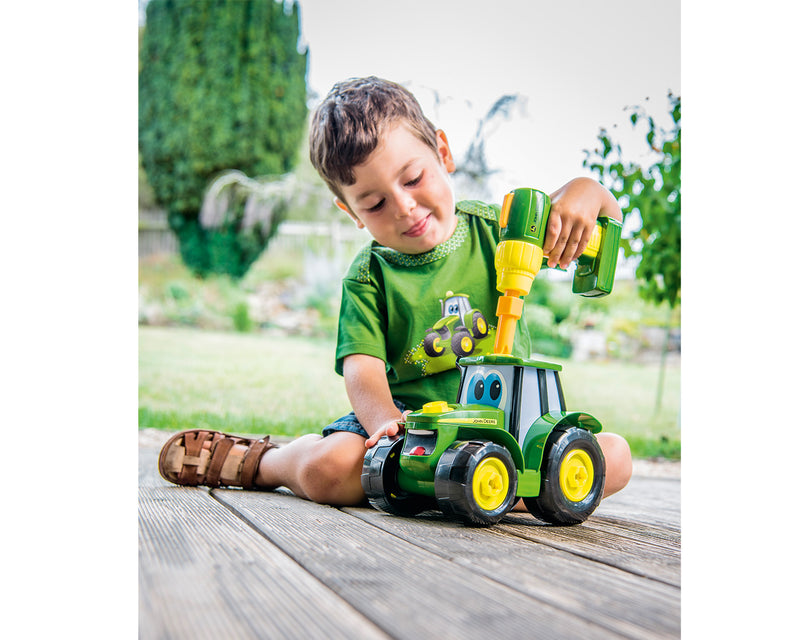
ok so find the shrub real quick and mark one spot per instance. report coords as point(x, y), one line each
point(241, 318)
point(221, 86)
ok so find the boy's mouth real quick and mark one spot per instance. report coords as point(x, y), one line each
point(419, 228)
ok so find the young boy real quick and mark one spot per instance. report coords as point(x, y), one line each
point(389, 170)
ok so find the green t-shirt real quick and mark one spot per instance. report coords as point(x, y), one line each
point(418, 313)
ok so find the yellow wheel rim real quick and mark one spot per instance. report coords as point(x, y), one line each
point(437, 345)
point(481, 325)
point(490, 483)
point(576, 475)
point(466, 344)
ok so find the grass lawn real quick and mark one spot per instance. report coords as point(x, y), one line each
point(266, 383)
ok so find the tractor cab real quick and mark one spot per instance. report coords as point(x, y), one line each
point(523, 389)
point(456, 304)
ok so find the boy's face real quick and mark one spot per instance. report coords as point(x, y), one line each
point(403, 194)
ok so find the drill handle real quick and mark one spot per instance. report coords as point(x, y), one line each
point(523, 219)
point(597, 265)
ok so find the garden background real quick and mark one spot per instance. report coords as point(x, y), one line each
point(237, 319)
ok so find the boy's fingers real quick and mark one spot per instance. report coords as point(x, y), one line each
point(584, 242)
point(571, 249)
point(553, 233)
point(391, 429)
point(563, 243)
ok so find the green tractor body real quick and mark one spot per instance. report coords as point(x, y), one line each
point(509, 437)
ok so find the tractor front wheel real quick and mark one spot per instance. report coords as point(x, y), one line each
point(476, 482)
point(462, 343)
point(573, 477)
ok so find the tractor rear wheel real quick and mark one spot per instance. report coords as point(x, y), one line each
point(480, 328)
point(379, 481)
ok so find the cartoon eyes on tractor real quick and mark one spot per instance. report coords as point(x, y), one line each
point(486, 389)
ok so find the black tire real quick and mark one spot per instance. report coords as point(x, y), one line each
point(480, 328)
point(465, 471)
point(573, 477)
point(462, 343)
point(432, 344)
point(379, 481)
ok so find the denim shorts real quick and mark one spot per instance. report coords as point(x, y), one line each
point(350, 423)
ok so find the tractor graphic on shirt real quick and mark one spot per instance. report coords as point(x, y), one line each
point(460, 327)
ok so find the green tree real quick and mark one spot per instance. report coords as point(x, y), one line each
point(654, 193)
point(222, 85)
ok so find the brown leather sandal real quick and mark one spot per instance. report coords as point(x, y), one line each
point(208, 458)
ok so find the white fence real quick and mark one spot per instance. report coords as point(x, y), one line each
point(328, 238)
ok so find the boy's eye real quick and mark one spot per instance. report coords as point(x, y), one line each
point(376, 207)
point(415, 181)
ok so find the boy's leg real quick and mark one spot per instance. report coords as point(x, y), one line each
point(619, 465)
point(326, 470)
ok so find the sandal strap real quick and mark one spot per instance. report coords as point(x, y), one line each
point(193, 445)
point(219, 453)
point(251, 459)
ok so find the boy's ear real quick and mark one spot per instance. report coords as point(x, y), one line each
point(444, 151)
point(343, 206)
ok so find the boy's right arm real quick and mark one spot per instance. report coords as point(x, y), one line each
point(369, 394)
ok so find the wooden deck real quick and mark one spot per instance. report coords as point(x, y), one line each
point(237, 564)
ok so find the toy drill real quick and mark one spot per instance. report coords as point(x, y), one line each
point(519, 256)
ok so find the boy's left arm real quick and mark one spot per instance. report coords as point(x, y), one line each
point(574, 209)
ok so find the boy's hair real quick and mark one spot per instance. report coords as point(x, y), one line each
point(348, 124)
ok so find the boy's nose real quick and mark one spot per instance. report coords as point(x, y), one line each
point(405, 205)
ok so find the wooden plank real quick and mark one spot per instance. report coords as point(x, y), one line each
point(651, 501)
point(204, 573)
point(636, 530)
point(617, 575)
point(630, 605)
point(626, 553)
point(667, 537)
point(148, 468)
point(404, 589)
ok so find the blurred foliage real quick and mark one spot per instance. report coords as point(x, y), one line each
point(654, 193)
point(222, 86)
point(554, 314)
point(286, 288)
point(241, 317)
point(547, 308)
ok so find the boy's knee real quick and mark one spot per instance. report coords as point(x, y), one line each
point(619, 463)
point(332, 475)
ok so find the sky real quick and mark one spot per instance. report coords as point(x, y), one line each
point(575, 64)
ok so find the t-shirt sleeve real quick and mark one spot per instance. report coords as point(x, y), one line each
point(362, 322)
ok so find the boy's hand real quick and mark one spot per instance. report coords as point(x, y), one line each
point(573, 214)
point(389, 429)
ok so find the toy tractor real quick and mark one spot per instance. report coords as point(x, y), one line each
point(509, 436)
point(460, 326)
